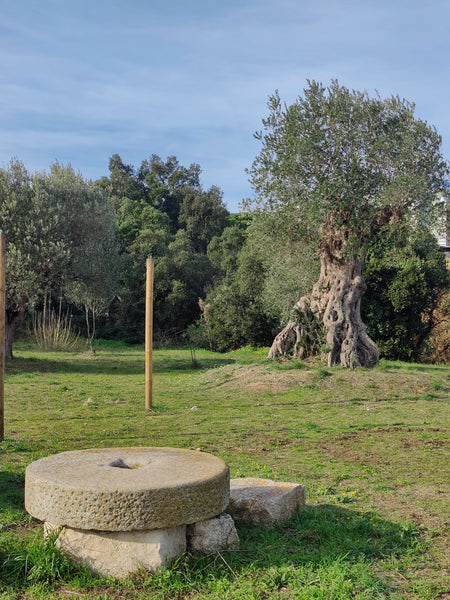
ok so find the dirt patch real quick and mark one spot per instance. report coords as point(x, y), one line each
point(349, 446)
point(261, 442)
point(358, 444)
point(395, 469)
point(256, 379)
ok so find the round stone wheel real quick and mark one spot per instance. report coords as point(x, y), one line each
point(127, 489)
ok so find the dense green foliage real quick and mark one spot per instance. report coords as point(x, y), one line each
point(406, 276)
point(259, 279)
point(164, 213)
point(337, 166)
point(259, 283)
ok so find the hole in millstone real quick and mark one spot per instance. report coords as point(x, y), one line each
point(119, 463)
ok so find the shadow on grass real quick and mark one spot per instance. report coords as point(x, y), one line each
point(203, 364)
point(316, 536)
point(11, 495)
point(327, 530)
point(114, 365)
point(320, 548)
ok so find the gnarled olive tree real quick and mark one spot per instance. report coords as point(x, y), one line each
point(336, 167)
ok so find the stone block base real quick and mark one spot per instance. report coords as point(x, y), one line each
point(214, 534)
point(117, 554)
point(262, 501)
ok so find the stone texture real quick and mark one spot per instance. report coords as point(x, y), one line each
point(119, 553)
point(126, 489)
point(213, 534)
point(263, 501)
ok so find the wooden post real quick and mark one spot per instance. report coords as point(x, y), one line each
point(2, 334)
point(149, 334)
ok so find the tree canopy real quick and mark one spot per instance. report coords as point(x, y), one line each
point(338, 167)
point(163, 212)
point(339, 164)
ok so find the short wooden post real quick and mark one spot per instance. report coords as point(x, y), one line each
point(149, 334)
point(2, 334)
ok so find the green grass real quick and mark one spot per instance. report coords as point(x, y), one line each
point(370, 446)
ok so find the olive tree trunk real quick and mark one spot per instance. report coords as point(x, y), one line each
point(330, 316)
point(14, 317)
point(13, 321)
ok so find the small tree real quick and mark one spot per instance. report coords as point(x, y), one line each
point(37, 249)
point(95, 264)
point(338, 167)
point(47, 219)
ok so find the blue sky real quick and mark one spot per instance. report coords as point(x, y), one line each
point(82, 80)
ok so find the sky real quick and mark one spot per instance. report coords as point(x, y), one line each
point(83, 80)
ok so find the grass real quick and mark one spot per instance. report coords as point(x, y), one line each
point(369, 445)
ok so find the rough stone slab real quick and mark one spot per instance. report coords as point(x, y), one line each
point(263, 501)
point(127, 489)
point(213, 534)
point(120, 553)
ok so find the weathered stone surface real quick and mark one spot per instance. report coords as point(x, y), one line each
point(127, 489)
point(119, 553)
point(263, 501)
point(213, 534)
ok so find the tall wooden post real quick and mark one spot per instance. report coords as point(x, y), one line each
point(2, 334)
point(149, 334)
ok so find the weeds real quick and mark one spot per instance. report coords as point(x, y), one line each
point(52, 330)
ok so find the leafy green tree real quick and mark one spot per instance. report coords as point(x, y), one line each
point(338, 168)
point(122, 183)
point(181, 276)
point(143, 232)
point(166, 184)
point(223, 250)
point(290, 271)
point(203, 216)
point(35, 257)
point(258, 281)
point(163, 212)
point(231, 320)
point(96, 266)
point(407, 277)
point(233, 313)
point(46, 219)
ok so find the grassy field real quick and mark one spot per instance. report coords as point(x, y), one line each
point(369, 445)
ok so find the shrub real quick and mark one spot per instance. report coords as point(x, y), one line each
point(437, 346)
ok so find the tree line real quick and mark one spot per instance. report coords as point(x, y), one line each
point(345, 189)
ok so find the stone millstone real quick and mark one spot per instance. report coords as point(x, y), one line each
point(126, 489)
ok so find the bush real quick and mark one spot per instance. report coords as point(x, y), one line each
point(231, 320)
point(437, 346)
point(406, 276)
